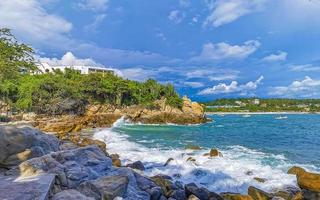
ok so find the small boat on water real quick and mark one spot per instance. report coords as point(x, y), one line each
point(246, 115)
point(282, 117)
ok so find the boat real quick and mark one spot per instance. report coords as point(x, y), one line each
point(282, 117)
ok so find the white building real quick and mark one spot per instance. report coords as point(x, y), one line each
point(256, 101)
point(46, 68)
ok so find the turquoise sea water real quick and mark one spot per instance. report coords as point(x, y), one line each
point(263, 144)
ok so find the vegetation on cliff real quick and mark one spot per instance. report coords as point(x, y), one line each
point(263, 105)
point(21, 89)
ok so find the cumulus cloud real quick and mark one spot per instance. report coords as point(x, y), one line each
point(226, 11)
point(176, 16)
point(281, 56)
point(30, 21)
point(305, 68)
point(306, 88)
point(233, 87)
point(224, 50)
point(213, 74)
point(94, 5)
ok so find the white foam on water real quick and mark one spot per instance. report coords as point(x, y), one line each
point(219, 174)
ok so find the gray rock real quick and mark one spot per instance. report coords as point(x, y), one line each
point(20, 144)
point(107, 187)
point(149, 186)
point(26, 188)
point(310, 195)
point(201, 193)
point(178, 195)
point(72, 167)
point(137, 165)
point(70, 195)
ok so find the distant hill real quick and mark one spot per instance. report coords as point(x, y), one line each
point(263, 105)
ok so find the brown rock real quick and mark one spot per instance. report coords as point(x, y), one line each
point(258, 194)
point(193, 197)
point(260, 180)
point(310, 195)
point(309, 181)
point(235, 196)
point(297, 196)
point(115, 160)
point(296, 170)
point(168, 161)
point(215, 153)
point(191, 159)
point(88, 141)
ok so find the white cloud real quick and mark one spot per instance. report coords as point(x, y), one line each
point(138, 73)
point(184, 3)
point(281, 56)
point(224, 50)
point(176, 16)
point(161, 36)
point(226, 11)
point(214, 74)
point(31, 22)
point(233, 87)
point(305, 68)
point(94, 5)
point(306, 88)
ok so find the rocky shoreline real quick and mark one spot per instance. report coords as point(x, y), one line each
point(65, 170)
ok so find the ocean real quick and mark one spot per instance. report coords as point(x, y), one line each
point(263, 146)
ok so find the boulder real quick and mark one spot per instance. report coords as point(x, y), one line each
point(193, 197)
point(87, 142)
point(296, 170)
point(201, 193)
point(70, 195)
point(149, 186)
point(235, 196)
point(136, 165)
point(309, 181)
point(20, 144)
point(191, 159)
point(215, 153)
point(165, 184)
point(106, 187)
point(287, 193)
point(71, 167)
point(258, 194)
point(310, 195)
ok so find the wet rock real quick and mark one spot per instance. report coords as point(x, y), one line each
point(249, 173)
point(178, 194)
point(20, 144)
point(258, 194)
point(296, 170)
point(235, 196)
point(298, 196)
point(191, 159)
point(260, 180)
point(149, 186)
point(215, 153)
point(115, 160)
point(168, 161)
point(201, 193)
point(310, 195)
point(107, 187)
point(287, 193)
point(165, 184)
point(71, 167)
point(70, 195)
point(309, 181)
point(137, 165)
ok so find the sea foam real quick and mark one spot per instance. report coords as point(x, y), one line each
point(220, 174)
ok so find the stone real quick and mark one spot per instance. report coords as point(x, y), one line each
point(309, 181)
point(136, 165)
point(178, 194)
point(20, 144)
point(31, 187)
point(296, 170)
point(115, 160)
point(168, 161)
point(310, 195)
point(70, 195)
point(287, 193)
point(88, 142)
point(260, 180)
point(215, 153)
point(149, 186)
point(235, 196)
point(298, 196)
point(71, 167)
point(249, 173)
point(193, 197)
point(165, 184)
point(191, 159)
point(258, 194)
point(201, 193)
point(106, 187)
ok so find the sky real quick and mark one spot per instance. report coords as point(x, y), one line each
point(207, 48)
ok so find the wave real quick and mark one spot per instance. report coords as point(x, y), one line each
point(234, 172)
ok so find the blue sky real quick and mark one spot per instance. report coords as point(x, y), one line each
point(207, 48)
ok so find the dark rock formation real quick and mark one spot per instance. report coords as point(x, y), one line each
point(136, 165)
